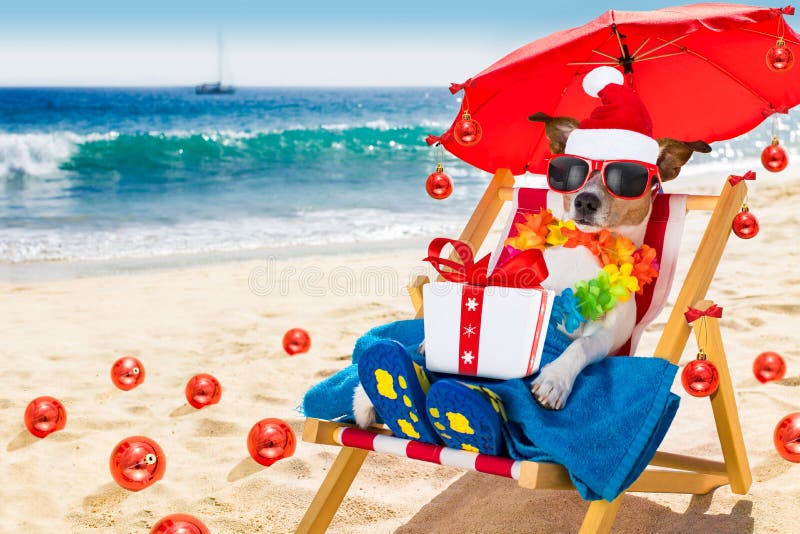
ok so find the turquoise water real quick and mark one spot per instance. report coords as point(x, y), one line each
point(102, 174)
point(94, 174)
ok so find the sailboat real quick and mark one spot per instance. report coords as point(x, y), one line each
point(216, 88)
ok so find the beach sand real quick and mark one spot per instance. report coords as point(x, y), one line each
point(60, 338)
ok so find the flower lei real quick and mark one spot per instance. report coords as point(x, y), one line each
point(626, 269)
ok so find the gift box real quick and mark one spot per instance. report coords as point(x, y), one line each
point(491, 326)
point(491, 331)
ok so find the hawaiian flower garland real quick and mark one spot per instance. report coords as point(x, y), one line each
point(626, 269)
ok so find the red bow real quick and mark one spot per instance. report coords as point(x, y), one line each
point(524, 270)
point(749, 175)
point(694, 314)
point(433, 140)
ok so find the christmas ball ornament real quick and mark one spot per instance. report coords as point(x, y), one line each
point(127, 373)
point(774, 157)
point(769, 366)
point(137, 462)
point(780, 57)
point(202, 390)
point(45, 415)
point(439, 185)
point(467, 131)
point(745, 224)
point(270, 440)
point(296, 341)
point(700, 377)
point(179, 524)
point(787, 437)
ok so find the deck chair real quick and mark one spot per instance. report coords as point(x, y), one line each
point(667, 472)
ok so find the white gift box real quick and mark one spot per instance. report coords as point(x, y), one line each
point(491, 331)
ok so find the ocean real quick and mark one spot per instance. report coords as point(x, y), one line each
point(103, 175)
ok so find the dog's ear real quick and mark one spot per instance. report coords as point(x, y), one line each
point(672, 155)
point(557, 129)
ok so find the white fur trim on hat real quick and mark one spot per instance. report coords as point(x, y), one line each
point(602, 144)
point(598, 78)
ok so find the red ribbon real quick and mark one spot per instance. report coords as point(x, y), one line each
point(433, 140)
point(788, 10)
point(456, 87)
point(694, 314)
point(749, 175)
point(524, 270)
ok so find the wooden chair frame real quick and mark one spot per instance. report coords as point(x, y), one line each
point(683, 474)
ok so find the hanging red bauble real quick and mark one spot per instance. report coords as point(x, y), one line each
point(780, 57)
point(467, 131)
point(137, 462)
point(745, 224)
point(179, 524)
point(774, 157)
point(270, 440)
point(202, 390)
point(127, 373)
point(700, 377)
point(787, 437)
point(296, 341)
point(769, 366)
point(439, 185)
point(45, 415)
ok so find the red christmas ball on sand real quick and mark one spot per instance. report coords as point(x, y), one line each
point(774, 157)
point(202, 390)
point(769, 366)
point(439, 185)
point(127, 373)
point(137, 462)
point(745, 225)
point(700, 378)
point(270, 440)
point(787, 437)
point(45, 415)
point(179, 524)
point(467, 131)
point(296, 341)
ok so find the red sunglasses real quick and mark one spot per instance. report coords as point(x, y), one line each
point(625, 179)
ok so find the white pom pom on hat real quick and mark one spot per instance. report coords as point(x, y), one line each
point(619, 128)
point(598, 78)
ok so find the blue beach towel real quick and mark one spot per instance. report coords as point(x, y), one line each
point(618, 413)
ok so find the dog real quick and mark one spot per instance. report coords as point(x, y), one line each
point(593, 208)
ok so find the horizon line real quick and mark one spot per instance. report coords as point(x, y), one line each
point(243, 86)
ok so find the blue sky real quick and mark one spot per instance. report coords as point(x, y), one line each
point(287, 43)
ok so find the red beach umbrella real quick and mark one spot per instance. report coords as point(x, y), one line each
point(701, 70)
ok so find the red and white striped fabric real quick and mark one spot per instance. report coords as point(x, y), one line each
point(663, 233)
point(417, 450)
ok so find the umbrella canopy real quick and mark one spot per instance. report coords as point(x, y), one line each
point(701, 71)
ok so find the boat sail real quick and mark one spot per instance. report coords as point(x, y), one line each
point(216, 88)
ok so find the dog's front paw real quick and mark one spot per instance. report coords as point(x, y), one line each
point(363, 409)
point(552, 387)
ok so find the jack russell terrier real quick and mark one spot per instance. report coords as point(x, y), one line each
point(608, 170)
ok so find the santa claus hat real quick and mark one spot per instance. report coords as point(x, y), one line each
point(620, 128)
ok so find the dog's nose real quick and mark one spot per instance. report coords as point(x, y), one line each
point(587, 203)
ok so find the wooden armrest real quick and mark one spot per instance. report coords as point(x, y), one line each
point(415, 292)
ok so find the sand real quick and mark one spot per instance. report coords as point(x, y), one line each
point(60, 338)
